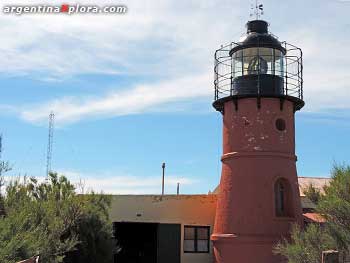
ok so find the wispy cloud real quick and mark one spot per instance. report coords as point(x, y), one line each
point(172, 42)
point(8, 109)
point(151, 38)
point(120, 184)
point(136, 100)
point(126, 184)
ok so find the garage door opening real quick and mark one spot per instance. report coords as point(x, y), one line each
point(147, 242)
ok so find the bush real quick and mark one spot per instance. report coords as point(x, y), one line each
point(50, 219)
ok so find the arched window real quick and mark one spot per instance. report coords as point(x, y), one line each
point(283, 199)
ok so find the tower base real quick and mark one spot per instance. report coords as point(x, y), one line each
point(230, 248)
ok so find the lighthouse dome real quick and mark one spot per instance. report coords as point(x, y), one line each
point(258, 36)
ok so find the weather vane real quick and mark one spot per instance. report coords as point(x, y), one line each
point(257, 10)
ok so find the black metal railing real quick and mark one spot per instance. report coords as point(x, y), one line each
point(291, 70)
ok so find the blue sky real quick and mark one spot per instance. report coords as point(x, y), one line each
point(131, 91)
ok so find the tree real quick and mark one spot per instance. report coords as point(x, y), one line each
point(312, 193)
point(335, 206)
point(4, 168)
point(306, 245)
point(94, 232)
point(50, 219)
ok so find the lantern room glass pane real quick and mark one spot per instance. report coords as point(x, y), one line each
point(250, 61)
point(266, 55)
point(237, 64)
point(257, 60)
point(279, 65)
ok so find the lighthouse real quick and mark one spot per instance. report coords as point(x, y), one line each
point(258, 89)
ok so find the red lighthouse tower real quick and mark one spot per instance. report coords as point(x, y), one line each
point(258, 89)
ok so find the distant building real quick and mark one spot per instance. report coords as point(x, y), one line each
point(176, 228)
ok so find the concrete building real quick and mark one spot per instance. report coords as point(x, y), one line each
point(175, 228)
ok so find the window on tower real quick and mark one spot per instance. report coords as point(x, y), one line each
point(281, 124)
point(283, 207)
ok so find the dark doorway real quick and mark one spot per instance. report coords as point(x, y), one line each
point(137, 242)
point(147, 243)
point(169, 243)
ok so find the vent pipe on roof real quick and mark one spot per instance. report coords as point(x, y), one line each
point(163, 167)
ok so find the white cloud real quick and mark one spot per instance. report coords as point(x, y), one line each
point(132, 184)
point(139, 99)
point(119, 184)
point(151, 33)
point(326, 70)
point(122, 184)
point(7, 109)
point(169, 40)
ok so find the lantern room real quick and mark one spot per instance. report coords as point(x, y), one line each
point(259, 65)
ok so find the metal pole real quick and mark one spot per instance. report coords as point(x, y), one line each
point(178, 189)
point(50, 145)
point(1, 165)
point(0, 146)
point(163, 166)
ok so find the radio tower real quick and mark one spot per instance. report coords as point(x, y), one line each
point(0, 146)
point(1, 164)
point(50, 144)
point(2, 207)
point(2, 167)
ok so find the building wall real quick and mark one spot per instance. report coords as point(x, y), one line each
point(197, 210)
point(177, 209)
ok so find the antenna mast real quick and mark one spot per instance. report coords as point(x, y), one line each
point(2, 207)
point(1, 164)
point(2, 167)
point(0, 147)
point(50, 144)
